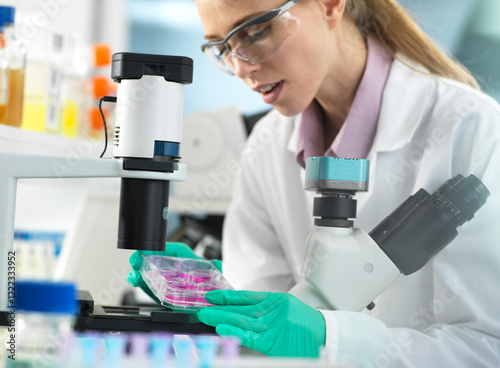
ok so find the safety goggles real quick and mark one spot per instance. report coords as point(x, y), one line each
point(255, 41)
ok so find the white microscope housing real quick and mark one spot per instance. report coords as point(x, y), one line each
point(147, 136)
point(346, 268)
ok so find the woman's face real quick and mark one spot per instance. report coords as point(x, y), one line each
point(291, 79)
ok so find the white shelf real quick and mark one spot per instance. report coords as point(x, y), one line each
point(16, 140)
point(49, 204)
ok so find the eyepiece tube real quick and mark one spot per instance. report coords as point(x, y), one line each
point(423, 225)
point(143, 214)
point(460, 199)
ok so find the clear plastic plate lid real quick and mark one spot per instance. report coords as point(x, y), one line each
point(182, 282)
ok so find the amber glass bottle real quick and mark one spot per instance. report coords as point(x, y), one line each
point(12, 70)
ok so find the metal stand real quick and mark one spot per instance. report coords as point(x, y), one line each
point(16, 166)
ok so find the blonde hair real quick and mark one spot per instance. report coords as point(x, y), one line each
point(387, 21)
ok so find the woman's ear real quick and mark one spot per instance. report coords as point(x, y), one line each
point(333, 10)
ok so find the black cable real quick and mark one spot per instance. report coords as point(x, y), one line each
point(105, 99)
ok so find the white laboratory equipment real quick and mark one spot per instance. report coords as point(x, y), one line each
point(341, 258)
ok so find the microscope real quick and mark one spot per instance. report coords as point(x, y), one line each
point(346, 268)
point(146, 140)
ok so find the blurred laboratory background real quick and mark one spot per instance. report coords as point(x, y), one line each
point(67, 228)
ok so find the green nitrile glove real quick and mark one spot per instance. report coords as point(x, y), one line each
point(276, 324)
point(180, 250)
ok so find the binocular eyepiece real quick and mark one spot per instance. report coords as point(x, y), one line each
point(424, 224)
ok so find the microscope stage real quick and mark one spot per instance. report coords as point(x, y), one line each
point(134, 318)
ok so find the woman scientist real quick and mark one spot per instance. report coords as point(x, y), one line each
point(354, 79)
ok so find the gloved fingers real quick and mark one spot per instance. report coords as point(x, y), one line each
point(214, 316)
point(250, 311)
point(235, 297)
point(253, 304)
point(134, 278)
point(249, 339)
point(259, 310)
point(135, 261)
point(217, 263)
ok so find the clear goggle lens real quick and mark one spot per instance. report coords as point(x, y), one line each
point(254, 44)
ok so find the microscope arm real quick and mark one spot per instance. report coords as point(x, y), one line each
point(344, 269)
point(19, 166)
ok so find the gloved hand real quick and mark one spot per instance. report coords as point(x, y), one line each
point(275, 324)
point(180, 250)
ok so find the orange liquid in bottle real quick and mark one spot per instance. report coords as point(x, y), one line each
point(13, 114)
point(4, 80)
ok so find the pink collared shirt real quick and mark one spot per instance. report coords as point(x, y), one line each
point(355, 138)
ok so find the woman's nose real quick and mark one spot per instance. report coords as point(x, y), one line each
point(242, 68)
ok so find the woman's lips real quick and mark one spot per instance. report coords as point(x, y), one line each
point(270, 92)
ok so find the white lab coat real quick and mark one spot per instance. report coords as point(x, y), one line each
point(445, 315)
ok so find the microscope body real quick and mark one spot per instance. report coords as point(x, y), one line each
point(346, 268)
point(343, 269)
point(147, 136)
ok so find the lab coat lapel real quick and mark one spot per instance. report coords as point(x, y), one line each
point(400, 116)
point(292, 148)
point(400, 113)
point(292, 142)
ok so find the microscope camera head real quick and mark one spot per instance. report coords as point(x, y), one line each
point(147, 136)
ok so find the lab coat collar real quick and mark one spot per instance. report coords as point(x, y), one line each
point(396, 107)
